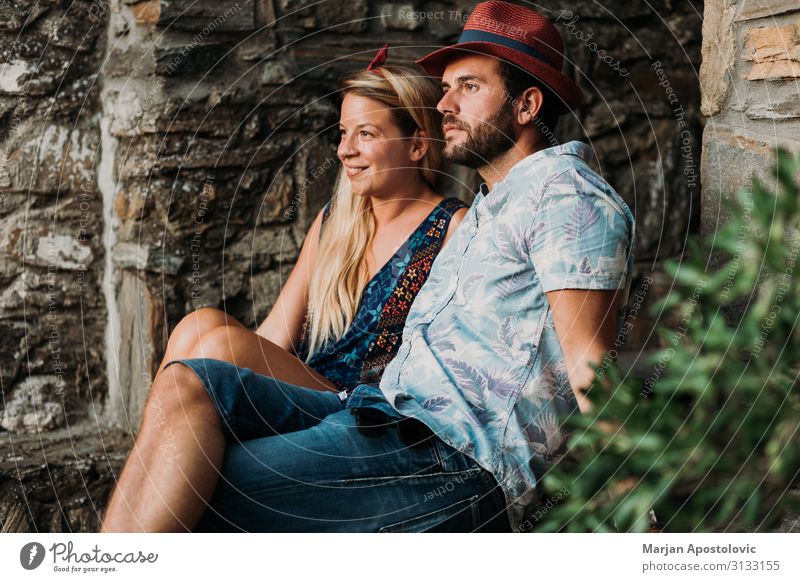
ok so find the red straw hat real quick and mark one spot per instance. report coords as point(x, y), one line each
point(517, 35)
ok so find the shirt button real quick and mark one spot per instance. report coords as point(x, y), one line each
point(431, 314)
point(473, 230)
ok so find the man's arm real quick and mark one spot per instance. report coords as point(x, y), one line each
point(585, 323)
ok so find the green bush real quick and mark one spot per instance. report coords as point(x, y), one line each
point(710, 441)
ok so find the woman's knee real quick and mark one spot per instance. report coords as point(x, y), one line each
point(177, 390)
point(220, 343)
point(194, 326)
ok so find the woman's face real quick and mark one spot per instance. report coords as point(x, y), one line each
point(377, 157)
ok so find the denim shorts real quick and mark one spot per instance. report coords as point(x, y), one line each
point(299, 460)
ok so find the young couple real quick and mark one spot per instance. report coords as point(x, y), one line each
point(352, 409)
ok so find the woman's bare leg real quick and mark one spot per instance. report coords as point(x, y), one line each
point(191, 328)
point(246, 349)
point(211, 333)
point(174, 466)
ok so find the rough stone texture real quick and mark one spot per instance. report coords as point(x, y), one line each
point(718, 54)
point(761, 111)
point(58, 484)
point(754, 116)
point(197, 15)
point(141, 338)
point(52, 312)
point(193, 148)
point(774, 52)
point(642, 116)
point(32, 407)
point(751, 9)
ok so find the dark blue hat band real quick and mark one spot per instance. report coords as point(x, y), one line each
point(483, 36)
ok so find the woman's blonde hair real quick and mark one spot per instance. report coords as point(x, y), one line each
point(341, 270)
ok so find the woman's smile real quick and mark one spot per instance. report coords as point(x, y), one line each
point(354, 172)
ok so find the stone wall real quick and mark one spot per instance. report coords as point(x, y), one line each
point(52, 312)
point(750, 81)
point(164, 155)
point(224, 133)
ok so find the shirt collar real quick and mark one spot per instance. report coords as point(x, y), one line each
point(490, 203)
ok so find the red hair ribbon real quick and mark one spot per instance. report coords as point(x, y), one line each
point(380, 58)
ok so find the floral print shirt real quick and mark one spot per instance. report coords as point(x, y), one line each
point(480, 362)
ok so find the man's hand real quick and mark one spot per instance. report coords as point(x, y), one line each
point(585, 322)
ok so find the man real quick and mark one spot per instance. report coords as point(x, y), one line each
point(532, 290)
point(496, 349)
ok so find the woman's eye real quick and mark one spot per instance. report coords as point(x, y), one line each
point(365, 133)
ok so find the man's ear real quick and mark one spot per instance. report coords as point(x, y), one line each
point(419, 145)
point(529, 104)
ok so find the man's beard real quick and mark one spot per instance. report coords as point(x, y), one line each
point(490, 139)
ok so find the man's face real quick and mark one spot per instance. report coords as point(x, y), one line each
point(478, 124)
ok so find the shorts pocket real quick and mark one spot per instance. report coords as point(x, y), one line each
point(461, 516)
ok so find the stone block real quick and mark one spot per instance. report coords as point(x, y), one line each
point(13, 75)
point(447, 23)
point(731, 156)
point(68, 31)
point(194, 58)
point(315, 172)
point(400, 17)
point(22, 13)
point(776, 101)
point(59, 482)
point(146, 257)
point(134, 201)
point(12, 346)
point(33, 406)
point(35, 245)
point(265, 13)
point(276, 198)
point(207, 16)
point(257, 46)
point(262, 292)
point(774, 52)
point(718, 54)
point(334, 17)
point(142, 339)
point(262, 247)
point(277, 72)
point(147, 13)
point(49, 158)
point(751, 9)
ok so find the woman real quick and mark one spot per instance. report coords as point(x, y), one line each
point(374, 228)
point(342, 308)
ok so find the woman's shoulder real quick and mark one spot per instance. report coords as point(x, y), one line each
point(452, 204)
point(455, 219)
point(452, 210)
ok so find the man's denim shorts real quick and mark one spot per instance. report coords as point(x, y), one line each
point(302, 460)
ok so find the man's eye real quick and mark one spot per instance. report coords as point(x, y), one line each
point(342, 132)
point(470, 86)
point(365, 133)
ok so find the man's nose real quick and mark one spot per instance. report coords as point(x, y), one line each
point(447, 104)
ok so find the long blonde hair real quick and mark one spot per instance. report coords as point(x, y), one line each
point(341, 271)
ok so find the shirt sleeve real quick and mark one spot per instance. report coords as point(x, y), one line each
point(581, 236)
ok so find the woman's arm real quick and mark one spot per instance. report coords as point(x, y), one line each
point(284, 323)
